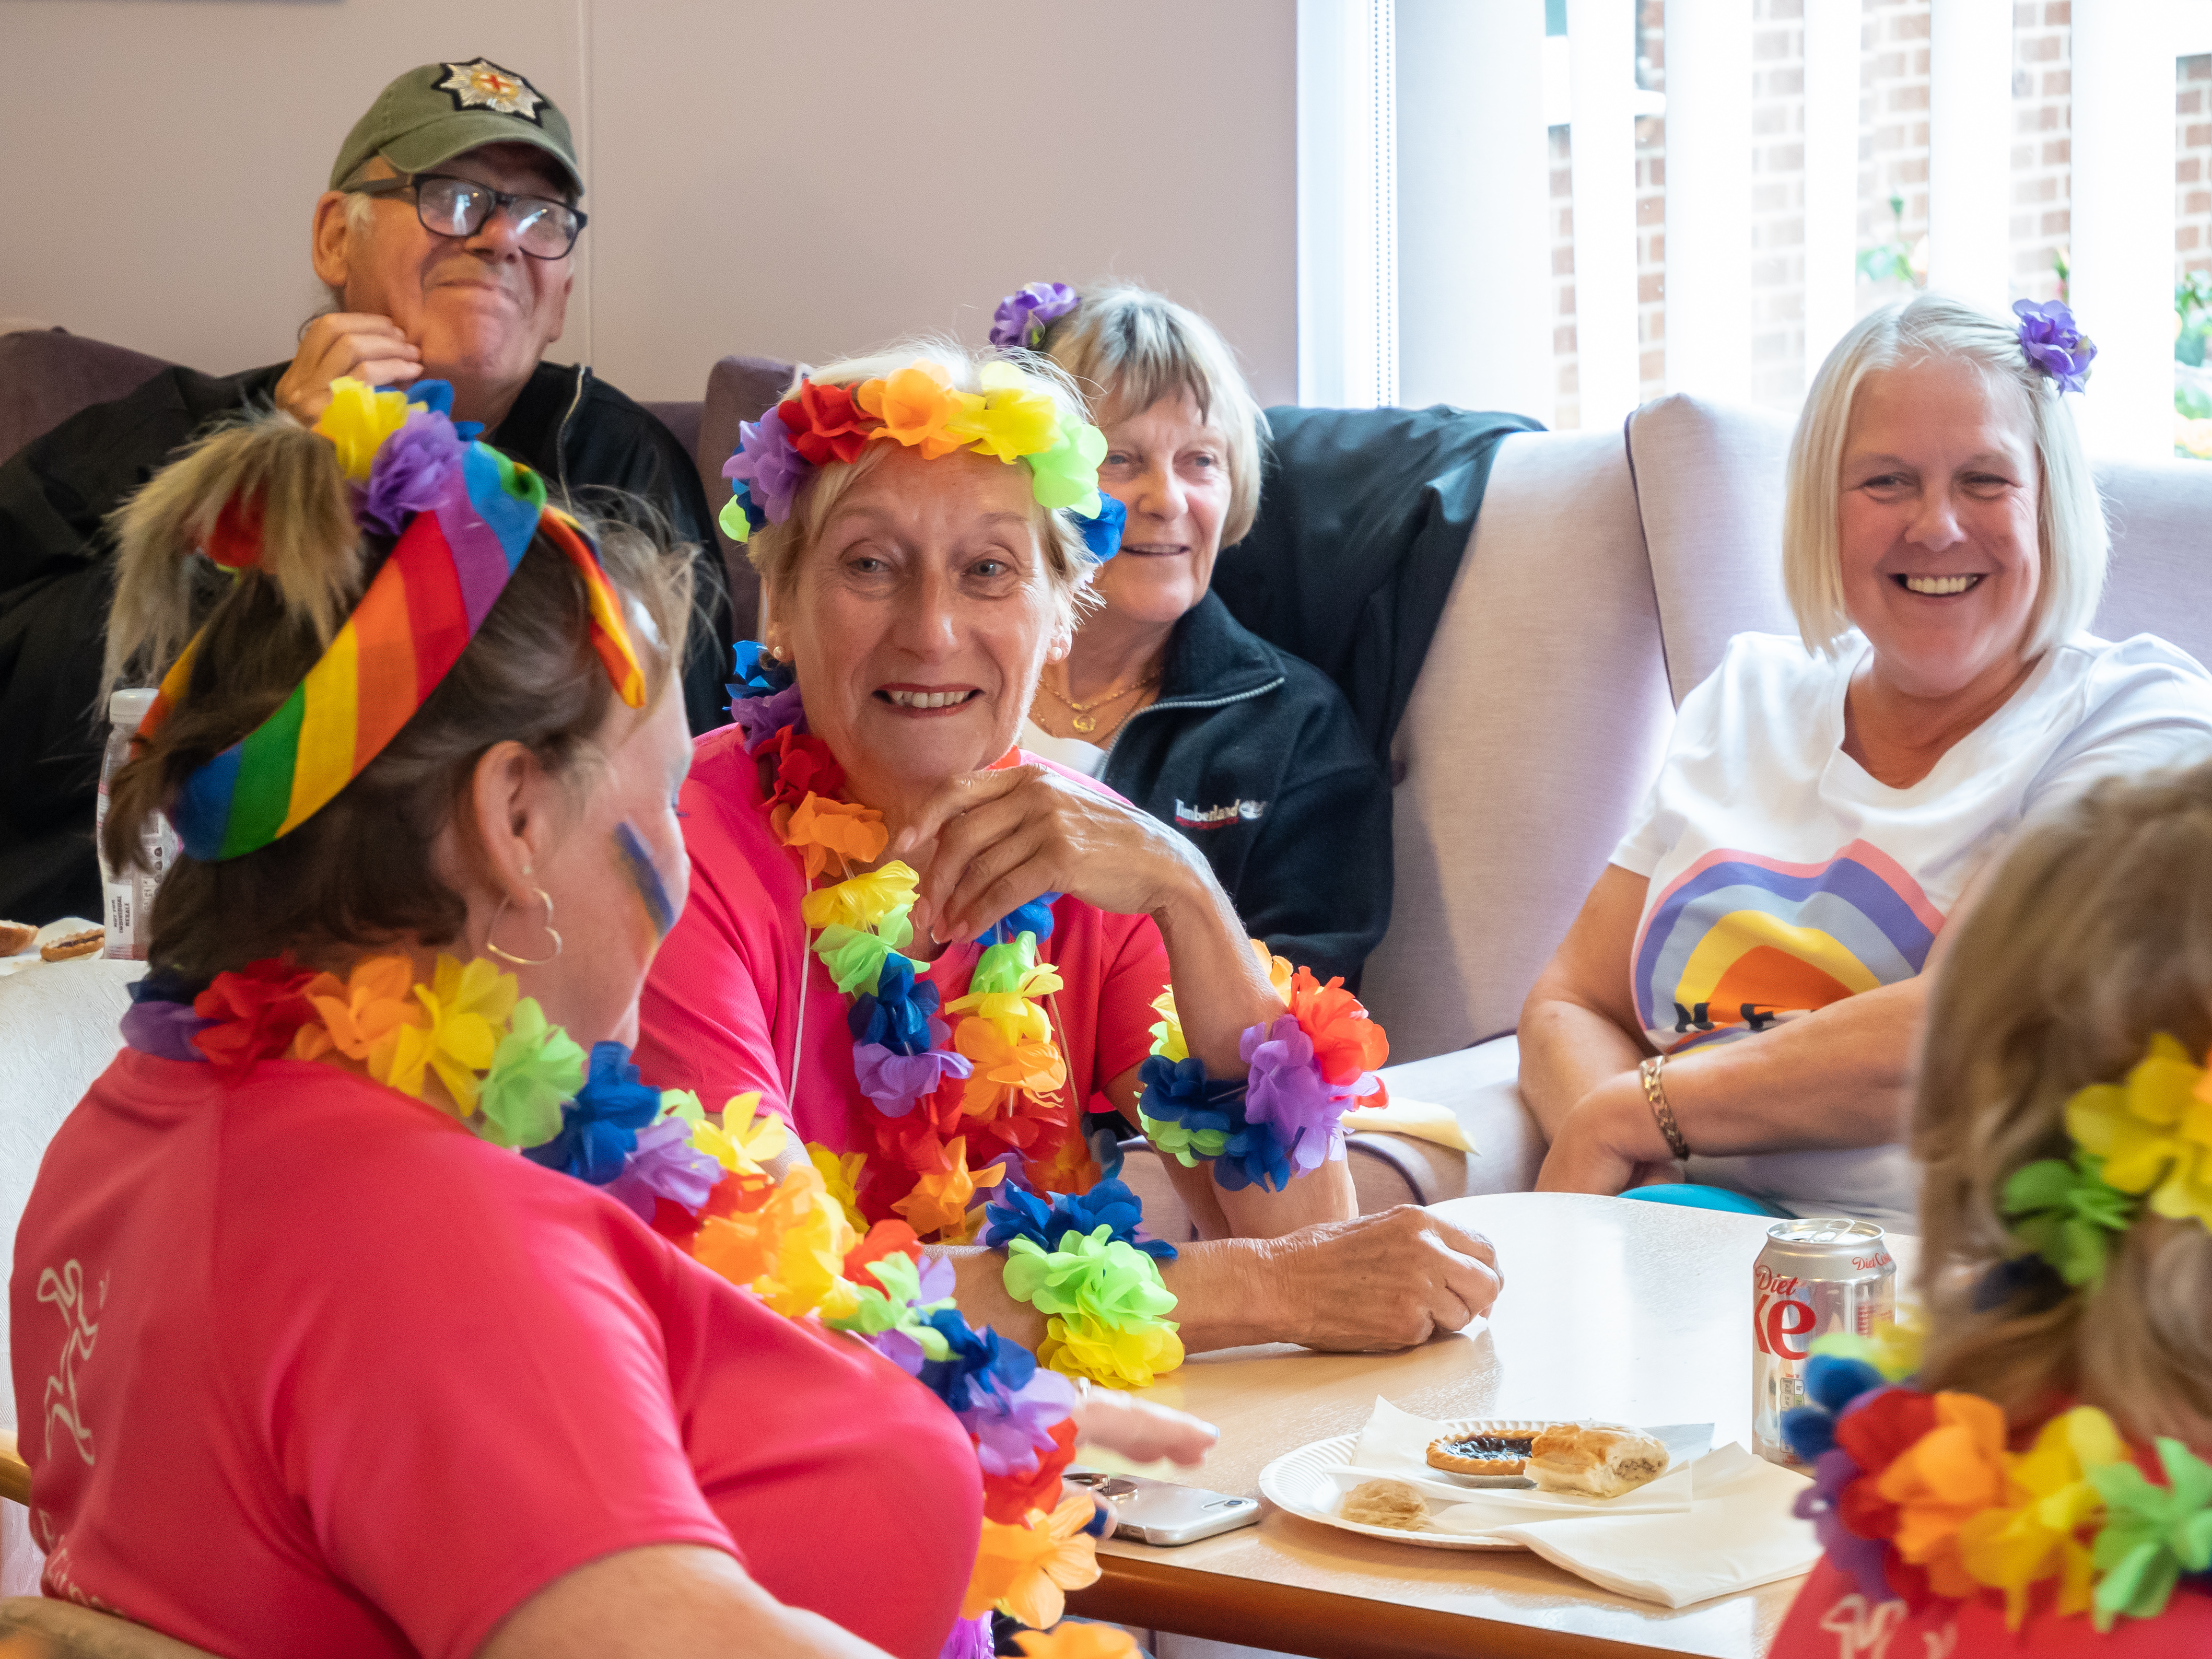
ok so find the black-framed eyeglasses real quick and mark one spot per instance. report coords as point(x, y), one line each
point(543, 228)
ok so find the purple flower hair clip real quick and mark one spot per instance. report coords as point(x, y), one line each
point(408, 474)
point(768, 466)
point(1023, 315)
point(2052, 341)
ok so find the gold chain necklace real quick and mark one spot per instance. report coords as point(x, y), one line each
point(1079, 712)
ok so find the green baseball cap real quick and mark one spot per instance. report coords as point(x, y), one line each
point(429, 115)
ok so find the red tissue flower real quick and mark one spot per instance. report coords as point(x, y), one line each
point(803, 766)
point(259, 1009)
point(824, 423)
point(1008, 1498)
point(886, 1238)
point(1345, 1040)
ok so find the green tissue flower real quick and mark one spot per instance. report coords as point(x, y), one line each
point(855, 958)
point(2151, 1534)
point(1066, 475)
point(1186, 1146)
point(1001, 968)
point(536, 1069)
point(1098, 1278)
point(2064, 1212)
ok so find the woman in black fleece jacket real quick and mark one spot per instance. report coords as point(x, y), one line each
point(1166, 698)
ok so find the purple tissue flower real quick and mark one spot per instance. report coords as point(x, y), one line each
point(970, 1639)
point(768, 464)
point(1011, 1428)
point(163, 1029)
point(1023, 315)
point(902, 1350)
point(1288, 1091)
point(1861, 1558)
point(409, 473)
point(2054, 343)
point(933, 1279)
point(895, 1081)
point(665, 1165)
point(762, 718)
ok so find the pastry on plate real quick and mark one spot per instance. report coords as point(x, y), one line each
point(15, 937)
point(1594, 1459)
point(1480, 1454)
point(1385, 1503)
point(86, 943)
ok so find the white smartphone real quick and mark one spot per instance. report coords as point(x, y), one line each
point(1160, 1512)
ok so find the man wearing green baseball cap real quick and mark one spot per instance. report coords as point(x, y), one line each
point(446, 242)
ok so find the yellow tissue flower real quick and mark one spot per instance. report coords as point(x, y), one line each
point(2048, 1502)
point(358, 420)
point(839, 1175)
point(467, 1006)
point(2153, 1130)
point(863, 900)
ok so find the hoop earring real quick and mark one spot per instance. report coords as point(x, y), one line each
point(545, 898)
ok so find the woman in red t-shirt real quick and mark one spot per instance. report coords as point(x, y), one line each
point(943, 960)
point(306, 1357)
point(2040, 1480)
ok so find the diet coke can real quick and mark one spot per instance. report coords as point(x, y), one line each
point(1813, 1276)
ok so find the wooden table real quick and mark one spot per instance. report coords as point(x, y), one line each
point(1639, 1313)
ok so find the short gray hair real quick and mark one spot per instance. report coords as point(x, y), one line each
point(2073, 541)
point(1128, 348)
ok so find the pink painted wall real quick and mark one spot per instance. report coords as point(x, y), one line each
point(794, 179)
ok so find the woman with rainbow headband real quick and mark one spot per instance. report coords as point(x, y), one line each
point(324, 1363)
point(2041, 1485)
point(960, 972)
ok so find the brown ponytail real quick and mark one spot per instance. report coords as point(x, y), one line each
point(358, 873)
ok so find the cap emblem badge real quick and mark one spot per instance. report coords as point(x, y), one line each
point(484, 85)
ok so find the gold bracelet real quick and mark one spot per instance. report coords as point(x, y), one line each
point(1655, 1091)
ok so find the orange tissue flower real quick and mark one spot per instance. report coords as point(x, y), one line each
point(1027, 1571)
point(1345, 1042)
point(1950, 1475)
point(939, 1201)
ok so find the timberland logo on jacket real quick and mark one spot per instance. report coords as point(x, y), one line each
point(1213, 818)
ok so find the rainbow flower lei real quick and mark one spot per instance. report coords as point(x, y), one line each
point(1919, 1496)
point(977, 1131)
point(919, 407)
point(518, 1081)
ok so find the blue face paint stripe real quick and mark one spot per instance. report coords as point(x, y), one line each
point(638, 866)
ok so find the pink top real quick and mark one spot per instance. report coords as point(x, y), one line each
point(721, 1011)
point(1831, 1619)
point(302, 1366)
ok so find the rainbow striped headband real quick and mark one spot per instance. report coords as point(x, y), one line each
point(469, 515)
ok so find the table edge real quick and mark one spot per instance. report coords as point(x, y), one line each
point(1315, 1623)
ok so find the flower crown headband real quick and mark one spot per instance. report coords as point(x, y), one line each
point(2144, 1142)
point(463, 515)
point(2053, 342)
point(918, 406)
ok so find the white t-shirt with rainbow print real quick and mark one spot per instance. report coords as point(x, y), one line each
point(1784, 877)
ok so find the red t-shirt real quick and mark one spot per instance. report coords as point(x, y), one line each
point(1831, 1619)
point(301, 1366)
point(721, 1010)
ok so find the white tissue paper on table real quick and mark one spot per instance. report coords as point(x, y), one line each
point(1739, 1533)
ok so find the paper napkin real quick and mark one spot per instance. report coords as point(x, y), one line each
point(1423, 1120)
point(1740, 1533)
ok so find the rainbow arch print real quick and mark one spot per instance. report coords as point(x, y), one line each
point(1738, 943)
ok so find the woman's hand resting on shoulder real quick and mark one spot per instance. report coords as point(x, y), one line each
point(988, 841)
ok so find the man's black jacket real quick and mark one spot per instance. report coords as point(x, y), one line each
point(1254, 755)
point(587, 440)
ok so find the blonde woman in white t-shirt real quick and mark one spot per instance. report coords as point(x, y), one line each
point(1737, 1008)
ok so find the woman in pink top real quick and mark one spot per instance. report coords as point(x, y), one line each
point(938, 957)
point(307, 1357)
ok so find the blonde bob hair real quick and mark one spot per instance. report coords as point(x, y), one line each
point(1129, 348)
point(775, 549)
point(2094, 933)
point(2072, 540)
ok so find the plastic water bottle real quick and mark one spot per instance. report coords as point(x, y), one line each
point(129, 893)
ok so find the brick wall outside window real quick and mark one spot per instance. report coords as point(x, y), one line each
point(1894, 108)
